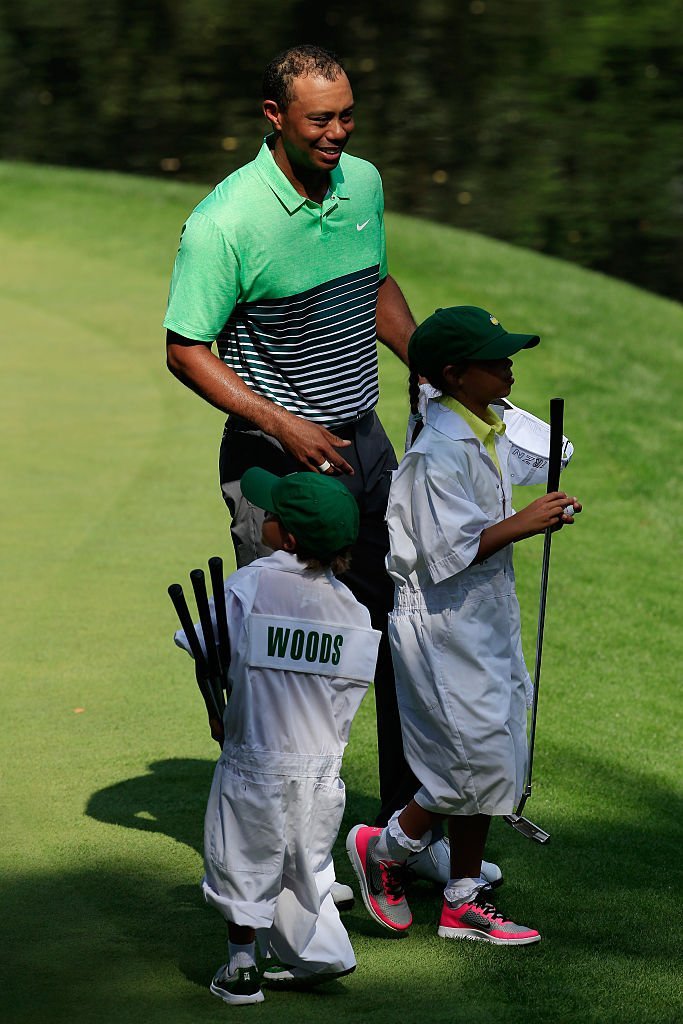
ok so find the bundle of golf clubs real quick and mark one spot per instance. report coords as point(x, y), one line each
point(521, 824)
point(212, 661)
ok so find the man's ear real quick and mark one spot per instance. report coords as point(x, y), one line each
point(272, 113)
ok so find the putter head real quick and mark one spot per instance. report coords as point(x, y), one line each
point(527, 828)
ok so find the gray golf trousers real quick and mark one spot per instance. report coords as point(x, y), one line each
point(373, 460)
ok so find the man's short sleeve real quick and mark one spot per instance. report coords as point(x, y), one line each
point(205, 281)
point(383, 267)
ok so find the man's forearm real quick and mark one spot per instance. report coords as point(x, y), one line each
point(199, 369)
point(395, 322)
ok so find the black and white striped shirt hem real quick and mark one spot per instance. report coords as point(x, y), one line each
point(314, 353)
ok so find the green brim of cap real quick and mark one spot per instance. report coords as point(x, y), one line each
point(504, 345)
point(257, 487)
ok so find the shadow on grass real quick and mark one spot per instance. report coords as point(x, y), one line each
point(619, 843)
point(171, 799)
point(119, 943)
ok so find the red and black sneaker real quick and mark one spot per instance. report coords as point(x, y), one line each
point(381, 882)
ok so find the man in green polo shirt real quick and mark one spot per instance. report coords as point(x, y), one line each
point(283, 266)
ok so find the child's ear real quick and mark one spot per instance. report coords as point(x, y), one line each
point(288, 541)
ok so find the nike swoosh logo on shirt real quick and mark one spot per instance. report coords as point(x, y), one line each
point(359, 227)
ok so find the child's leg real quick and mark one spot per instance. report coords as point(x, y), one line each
point(376, 854)
point(306, 950)
point(465, 915)
point(241, 946)
point(407, 832)
point(467, 834)
point(238, 982)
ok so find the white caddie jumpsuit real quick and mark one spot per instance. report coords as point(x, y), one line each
point(302, 655)
point(463, 687)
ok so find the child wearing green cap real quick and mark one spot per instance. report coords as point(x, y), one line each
point(302, 656)
point(463, 688)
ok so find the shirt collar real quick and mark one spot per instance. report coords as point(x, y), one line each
point(283, 188)
point(288, 562)
point(464, 423)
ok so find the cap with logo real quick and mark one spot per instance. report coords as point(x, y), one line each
point(462, 332)
point(319, 510)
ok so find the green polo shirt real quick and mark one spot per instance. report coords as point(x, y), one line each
point(286, 287)
point(484, 430)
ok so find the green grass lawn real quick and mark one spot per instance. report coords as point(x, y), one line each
point(111, 493)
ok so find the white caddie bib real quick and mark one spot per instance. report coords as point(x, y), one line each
point(530, 440)
point(306, 645)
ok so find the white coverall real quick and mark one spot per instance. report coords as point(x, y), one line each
point(463, 687)
point(302, 656)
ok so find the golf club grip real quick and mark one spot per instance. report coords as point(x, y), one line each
point(175, 592)
point(218, 587)
point(556, 438)
point(202, 598)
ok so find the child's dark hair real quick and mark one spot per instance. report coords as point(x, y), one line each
point(437, 381)
point(414, 398)
point(337, 563)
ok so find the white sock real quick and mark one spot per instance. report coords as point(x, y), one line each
point(394, 845)
point(241, 956)
point(461, 890)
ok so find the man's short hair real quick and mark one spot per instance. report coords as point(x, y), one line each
point(296, 62)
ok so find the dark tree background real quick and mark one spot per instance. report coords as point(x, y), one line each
point(555, 124)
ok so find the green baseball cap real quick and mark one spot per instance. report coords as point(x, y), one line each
point(319, 510)
point(462, 332)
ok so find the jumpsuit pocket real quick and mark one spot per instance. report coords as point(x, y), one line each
point(416, 657)
point(246, 833)
point(326, 818)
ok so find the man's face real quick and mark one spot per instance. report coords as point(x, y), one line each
point(318, 122)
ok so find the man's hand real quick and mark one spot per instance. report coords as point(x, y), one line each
point(311, 444)
point(199, 369)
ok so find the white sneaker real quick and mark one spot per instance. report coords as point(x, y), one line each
point(433, 864)
point(342, 895)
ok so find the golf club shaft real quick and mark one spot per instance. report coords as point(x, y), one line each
point(554, 467)
point(175, 592)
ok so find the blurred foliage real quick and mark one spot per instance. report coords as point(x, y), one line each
point(554, 124)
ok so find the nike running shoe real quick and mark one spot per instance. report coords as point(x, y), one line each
point(381, 883)
point(433, 864)
point(479, 920)
point(244, 986)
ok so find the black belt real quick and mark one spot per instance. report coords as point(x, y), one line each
point(240, 423)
